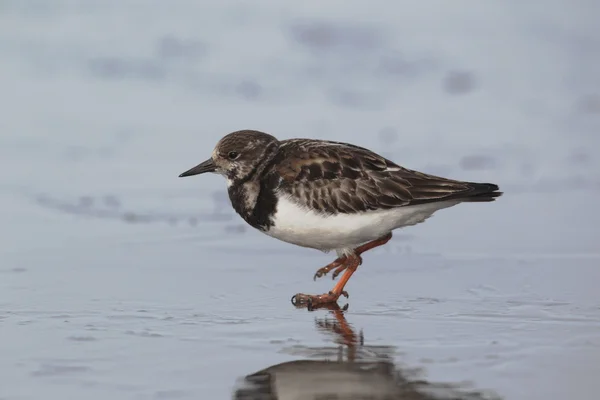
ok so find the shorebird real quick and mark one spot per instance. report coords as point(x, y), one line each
point(328, 196)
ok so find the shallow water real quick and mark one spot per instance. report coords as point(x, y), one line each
point(119, 280)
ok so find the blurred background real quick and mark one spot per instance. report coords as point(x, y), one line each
point(119, 280)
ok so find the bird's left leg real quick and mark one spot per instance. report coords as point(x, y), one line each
point(335, 264)
point(340, 266)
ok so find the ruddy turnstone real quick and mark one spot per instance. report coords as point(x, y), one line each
point(329, 196)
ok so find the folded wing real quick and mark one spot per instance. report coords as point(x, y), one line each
point(335, 177)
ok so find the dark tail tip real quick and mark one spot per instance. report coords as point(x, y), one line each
point(483, 192)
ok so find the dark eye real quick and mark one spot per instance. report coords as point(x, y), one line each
point(233, 155)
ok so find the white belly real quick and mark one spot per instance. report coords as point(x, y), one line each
point(307, 228)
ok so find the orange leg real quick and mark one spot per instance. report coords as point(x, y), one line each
point(348, 264)
point(351, 262)
point(339, 264)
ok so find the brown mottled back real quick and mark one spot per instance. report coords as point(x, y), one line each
point(335, 177)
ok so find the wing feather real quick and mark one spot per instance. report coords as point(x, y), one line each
point(334, 177)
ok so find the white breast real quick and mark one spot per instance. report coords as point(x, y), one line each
point(307, 228)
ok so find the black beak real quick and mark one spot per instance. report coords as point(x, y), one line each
point(206, 166)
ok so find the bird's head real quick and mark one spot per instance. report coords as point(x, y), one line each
point(238, 155)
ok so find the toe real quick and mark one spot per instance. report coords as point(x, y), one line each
point(300, 299)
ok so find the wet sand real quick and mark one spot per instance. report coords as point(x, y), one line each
point(118, 280)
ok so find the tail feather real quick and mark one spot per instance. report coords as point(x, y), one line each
point(481, 192)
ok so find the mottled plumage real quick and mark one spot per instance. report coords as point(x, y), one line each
point(335, 177)
point(329, 195)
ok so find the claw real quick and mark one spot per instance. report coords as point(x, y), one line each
point(338, 271)
point(319, 274)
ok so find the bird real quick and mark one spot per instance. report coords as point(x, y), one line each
point(329, 196)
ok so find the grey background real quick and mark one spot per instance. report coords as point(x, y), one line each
point(119, 280)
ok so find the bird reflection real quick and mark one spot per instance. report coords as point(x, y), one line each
point(350, 370)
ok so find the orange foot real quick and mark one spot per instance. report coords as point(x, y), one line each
point(338, 263)
point(317, 301)
point(351, 263)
